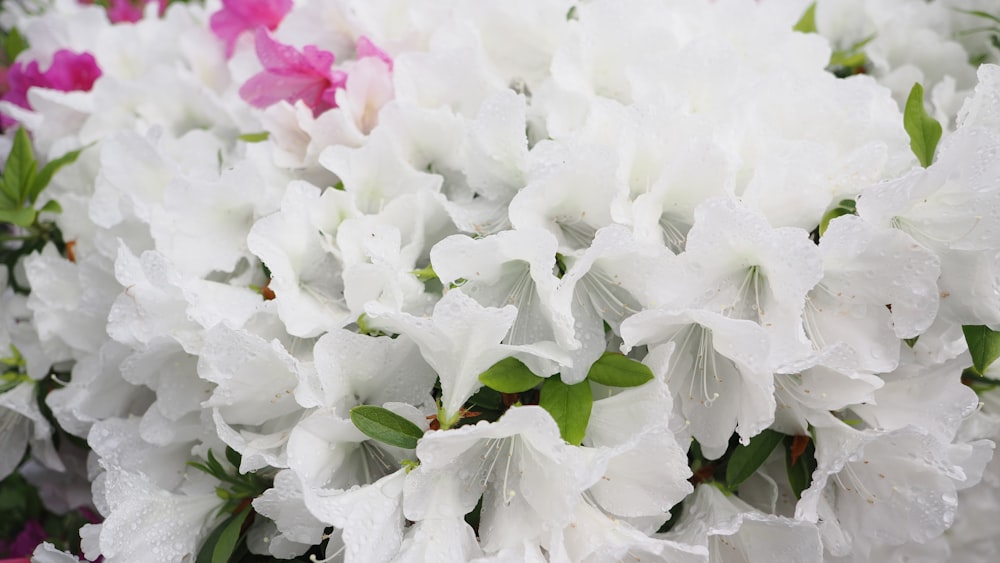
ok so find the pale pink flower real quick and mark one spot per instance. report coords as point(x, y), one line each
point(366, 48)
point(238, 16)
point(68, 72)
point(292, 75)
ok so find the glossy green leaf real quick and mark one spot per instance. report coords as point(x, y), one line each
point(510, 375)
point(20, 169)
point(386, 426)
point(24, 217)
point(984, 346)
point(617, 370)
point(221, 543)
point(51, 206)
point(845, 207)
point(569, 405)
point(807, 23)
point(45, 174)
point(745, 460)
point(924, 130)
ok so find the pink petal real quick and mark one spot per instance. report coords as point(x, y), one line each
point(239, 16)
point(366, 48)
point(71, 72)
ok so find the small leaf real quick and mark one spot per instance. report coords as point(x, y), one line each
point(510, 375)
point(845, 207)
point(386, 426)
point(221, 543)
point(980, 14)
point(984, 346)
point(745, 460)
point(924, 130)
point(617, 370)
point(233, 457)
point(799, 465)
point(21, 217)
point(20, 168)
point(254, 137)
point(51, 206)
point(14, 44)
point(230, 536)
point(807, 23)
point(45, 174)
point(569, 406)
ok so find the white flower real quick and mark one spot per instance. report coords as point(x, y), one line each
point(716, 368)
point(146, 524)
point(20, 423)
point(460, 341)
point(529, 478)
point(885, 488)
point(734, 531)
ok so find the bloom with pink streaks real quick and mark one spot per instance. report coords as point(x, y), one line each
point(68, 72)
point(365, 48)
point(292, 75)
point(238, 16)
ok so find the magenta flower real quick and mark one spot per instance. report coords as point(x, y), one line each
point(127, 11)
point(238, 16)
point(68, 72)
point(27, 539)
point(291, 75)
point(366, 48)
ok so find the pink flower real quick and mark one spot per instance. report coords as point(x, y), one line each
point(68, 72)
point(291, 75)
point(238, 16)
point(366, 48)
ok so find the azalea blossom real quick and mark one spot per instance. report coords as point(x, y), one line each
point(292, 75)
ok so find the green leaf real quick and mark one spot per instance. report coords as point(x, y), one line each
point(807, 23)
point(745, 460)
point(45, 174)
point(386, 426)
point(984, 345)
point(24, 217)
point(980, 14)
point(254, 137)
point(51, 206)
point(221, 543)
point(233, 457)
point(617, 370)
point(20, 168)
point(510, 375)
point(924, 130)
point(14, 44)
point(569, 405)
point(845, 207)
point(800, 473)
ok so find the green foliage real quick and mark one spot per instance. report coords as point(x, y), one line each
point(807, 23)
point(569, 405)
point(849, 61)
point(984, 346)
point(745, 460)
point(617, 370)
point(236, 488)
point(800, 462)
point(924, 130)
point(19, 503)
point(222, 542)
point(254, 137)
point(13, 44)
point(510, 375)
point(386, 426)
point(845, 207)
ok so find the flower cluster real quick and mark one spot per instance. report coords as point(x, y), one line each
point(533, 280)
